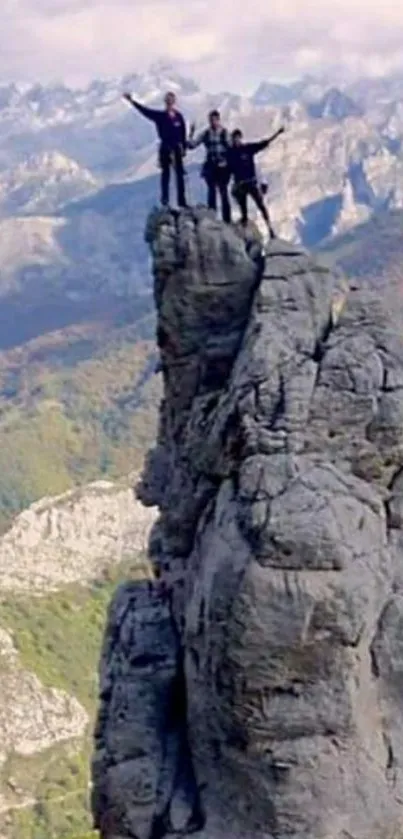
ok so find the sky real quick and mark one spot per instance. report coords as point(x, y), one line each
point(229, 44)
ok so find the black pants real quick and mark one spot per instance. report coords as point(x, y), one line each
point(241, 193)
point(217, 178)
point(172, 158)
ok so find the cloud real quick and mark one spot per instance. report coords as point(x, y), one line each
point(231, 43)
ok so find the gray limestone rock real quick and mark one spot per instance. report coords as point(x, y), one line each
point(142, 760)
point(255, 689)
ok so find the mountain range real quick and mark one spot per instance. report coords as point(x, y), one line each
point(342, 145)
point(78, 390)
point(77, 178)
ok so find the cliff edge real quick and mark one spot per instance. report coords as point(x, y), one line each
point(255, 688)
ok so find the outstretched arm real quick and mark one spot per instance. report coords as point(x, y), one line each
point(254, 148)
point(149, 113)
point(195, 141)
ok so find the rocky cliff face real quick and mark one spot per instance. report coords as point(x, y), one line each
point(255, 688)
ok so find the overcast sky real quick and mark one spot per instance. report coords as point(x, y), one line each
point(225, 43)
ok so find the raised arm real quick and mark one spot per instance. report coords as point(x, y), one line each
point(254, 148)
point(149, 113)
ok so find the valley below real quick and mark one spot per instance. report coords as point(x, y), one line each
point(71, 552)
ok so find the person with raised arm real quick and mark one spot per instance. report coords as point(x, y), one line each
point(171, 129)
point(241, 160)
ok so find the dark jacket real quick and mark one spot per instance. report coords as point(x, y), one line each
point(241, 160)
point(171, 129)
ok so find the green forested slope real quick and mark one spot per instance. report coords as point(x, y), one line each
point(75, 405)
point(58, 637)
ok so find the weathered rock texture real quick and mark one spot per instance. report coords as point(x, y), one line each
point(73, 537)
point(255, 689)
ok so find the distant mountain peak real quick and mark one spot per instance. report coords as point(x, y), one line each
point(160, 76)
point(335, 104)
point(268, 93)
point(43, 182)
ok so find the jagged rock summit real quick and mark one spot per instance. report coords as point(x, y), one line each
point(255, 688)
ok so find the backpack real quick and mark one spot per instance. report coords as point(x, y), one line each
point(223, 136)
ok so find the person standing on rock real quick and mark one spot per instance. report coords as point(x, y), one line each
point(215, 170)
point(171, 128)
point(241, 159)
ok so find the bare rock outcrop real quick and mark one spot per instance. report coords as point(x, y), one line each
point(72, 537)
point(41, 716)
point(32, 717)
point(255, 688)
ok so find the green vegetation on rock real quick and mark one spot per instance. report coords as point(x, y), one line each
point(74, 410)
point(52, 791)
point(58, 637)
